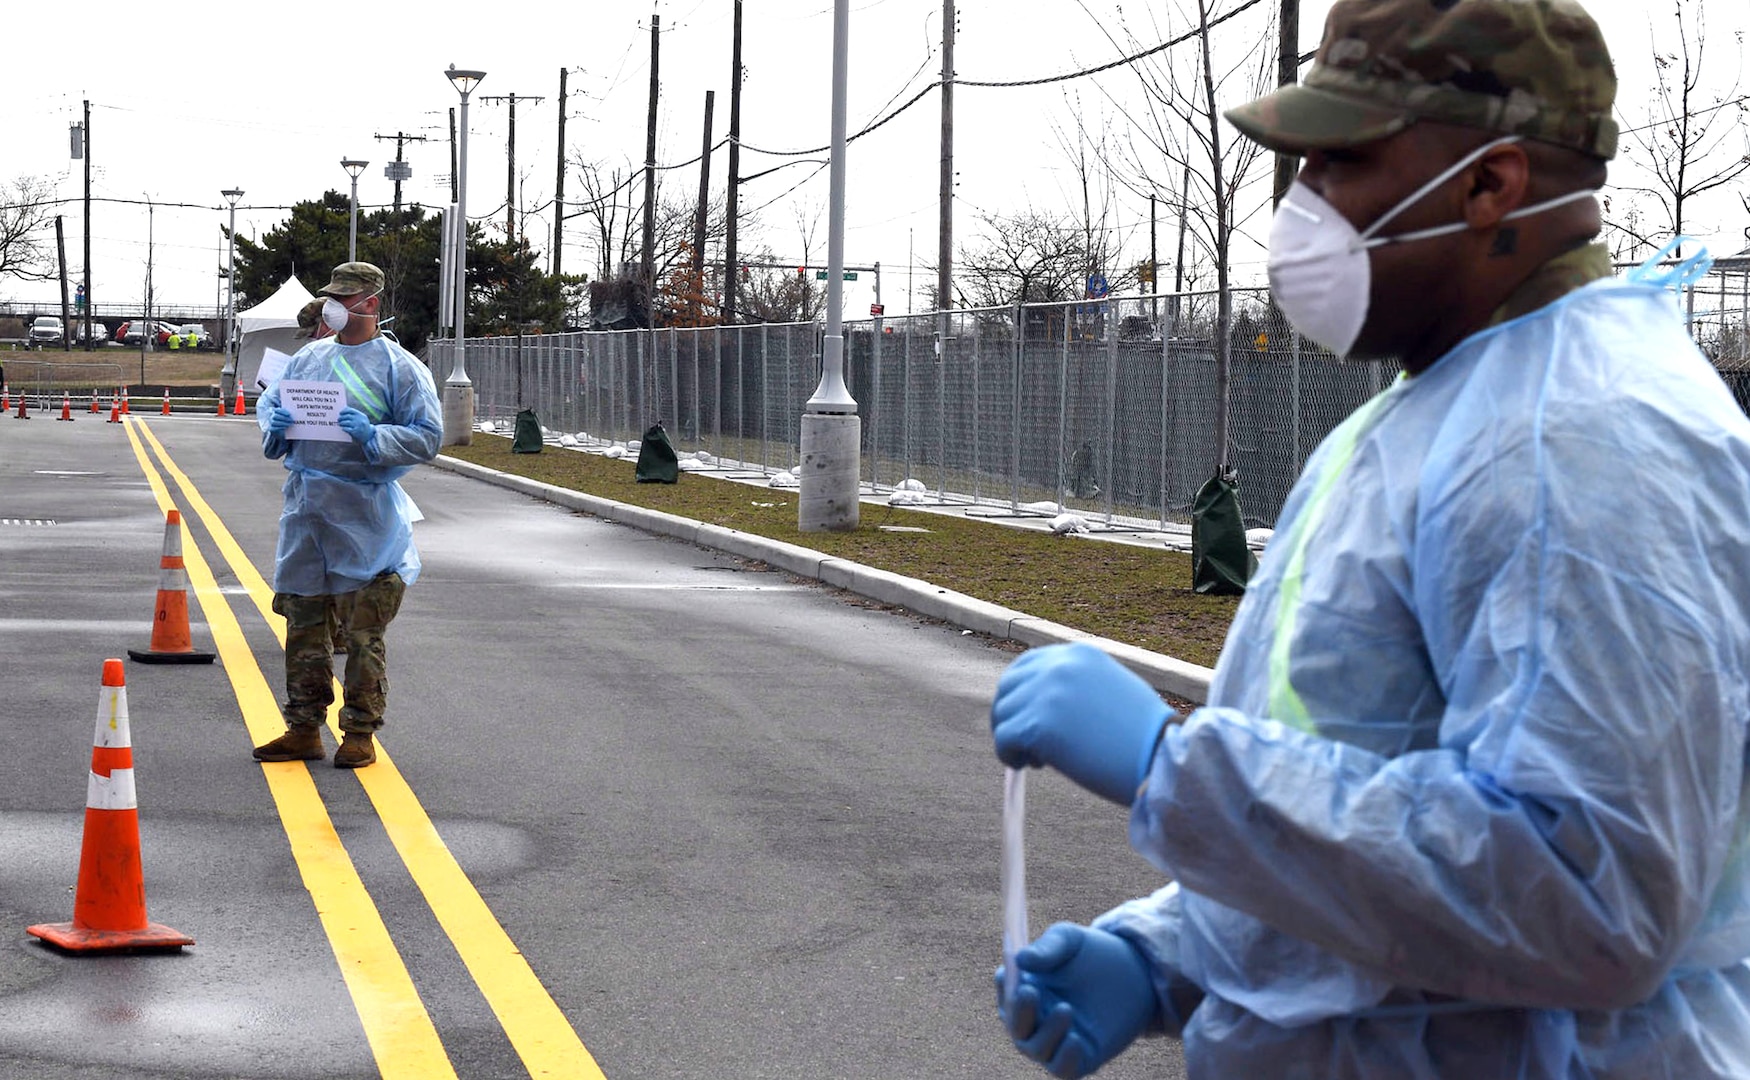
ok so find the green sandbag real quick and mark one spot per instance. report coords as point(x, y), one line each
point(1221, 563)
point(528, 433)
point(657, 462)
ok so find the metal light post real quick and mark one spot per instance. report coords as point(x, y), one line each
point(228, 374)
point(831, 430)
point(353, 167)
point(458, 391)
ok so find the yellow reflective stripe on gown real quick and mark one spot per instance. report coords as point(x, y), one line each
point(1285, 703)
point(355, 385)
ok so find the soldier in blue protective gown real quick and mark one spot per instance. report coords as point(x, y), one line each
point(1468, 797)
point(346, 532)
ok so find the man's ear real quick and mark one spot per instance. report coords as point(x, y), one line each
point(1500, 185)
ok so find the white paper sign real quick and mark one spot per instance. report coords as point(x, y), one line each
point(273, 365)
point(315, 407)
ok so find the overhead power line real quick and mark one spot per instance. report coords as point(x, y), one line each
point(1042, 81)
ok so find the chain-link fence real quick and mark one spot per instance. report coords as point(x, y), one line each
point(1107, 407)
point(46, 383)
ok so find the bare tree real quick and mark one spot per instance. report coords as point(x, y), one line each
point(777, 296)
point(1695, 140)
point(1179, 124)
point(1027, 257)
point(613, 206)
point(25, 205)
point(1095, 197)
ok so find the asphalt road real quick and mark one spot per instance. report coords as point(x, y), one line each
point(646, 812)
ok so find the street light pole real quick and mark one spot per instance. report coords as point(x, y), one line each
point(353, 167)
point(228, 374)
point(458, 391)
point(831, 431)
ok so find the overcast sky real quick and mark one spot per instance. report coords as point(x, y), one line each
point(193, 97)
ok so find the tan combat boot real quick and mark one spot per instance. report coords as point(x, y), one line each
point(356, 749)
point(301, 742)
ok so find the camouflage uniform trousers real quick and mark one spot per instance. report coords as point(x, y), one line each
point(362, 617)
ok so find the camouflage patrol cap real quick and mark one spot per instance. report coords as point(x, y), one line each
point(308, 316)
point(352, 278)
point(1536, 68)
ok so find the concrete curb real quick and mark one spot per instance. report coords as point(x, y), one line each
point(1165, 673)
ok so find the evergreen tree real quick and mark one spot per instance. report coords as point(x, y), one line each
point(505, 288)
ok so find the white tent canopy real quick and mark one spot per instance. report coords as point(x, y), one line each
point(271, 324)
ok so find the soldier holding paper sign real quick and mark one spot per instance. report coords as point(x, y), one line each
point(346, 532)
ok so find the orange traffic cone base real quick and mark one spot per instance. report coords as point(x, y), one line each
point(145, 656)
point(153, 937)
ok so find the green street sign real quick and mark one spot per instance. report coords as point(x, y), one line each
point(820, 275)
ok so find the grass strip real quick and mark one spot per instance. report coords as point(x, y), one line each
point(1138, 595)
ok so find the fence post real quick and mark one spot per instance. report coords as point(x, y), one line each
point(1015, 412)
point(942, 408)
point(977, 408)
point(765, 381)
point(1294, 342)
point(1166, 400)
point(875, 404)
point(1063, 411)
point(1111, 327)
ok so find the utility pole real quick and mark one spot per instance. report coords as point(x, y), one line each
point(648, 268)
point(85, 142)
point(452, 155)
point(510, 232)
point(945, 223)
point(732, 272)
point(1154, 267)
point(66, 308)
point(1179, 260)
point(1287, 74)
point(398, 171)
point(559, 184)
point(704, 197)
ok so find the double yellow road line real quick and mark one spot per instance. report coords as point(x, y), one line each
point(396, 1023)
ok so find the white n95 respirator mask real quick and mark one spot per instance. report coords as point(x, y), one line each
point(1320, 275)
point(335, 314)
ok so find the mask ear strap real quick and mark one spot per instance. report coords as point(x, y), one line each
point(1426, 189)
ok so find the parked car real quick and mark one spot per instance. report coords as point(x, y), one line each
point(129, 333)
point(190, 336)
point(99, 332)
point(47, 330)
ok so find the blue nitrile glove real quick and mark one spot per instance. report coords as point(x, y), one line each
point(1081, 712)
point(358, 425)
point(279, 420)
point(1083, 996)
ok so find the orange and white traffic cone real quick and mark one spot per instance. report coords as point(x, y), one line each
point(115, 411)
point(124, 401)
point(23, 413)
point(5, 397)
point(171, 641)
point(109, 903)
point(237, 409)
point(94, 410)
point(66, 406)
point(166, 401)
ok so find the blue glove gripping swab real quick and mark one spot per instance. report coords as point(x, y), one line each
point(1015, 936)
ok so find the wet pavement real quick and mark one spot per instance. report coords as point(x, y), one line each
point(734, 823)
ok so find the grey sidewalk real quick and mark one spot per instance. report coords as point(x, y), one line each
point(1166, 674)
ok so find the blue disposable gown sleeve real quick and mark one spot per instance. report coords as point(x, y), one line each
point(1562, 844)
point(1152, 924)
point(414, 427)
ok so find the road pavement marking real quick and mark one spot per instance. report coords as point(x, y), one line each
point(397, 1026)
point(539, 1032)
